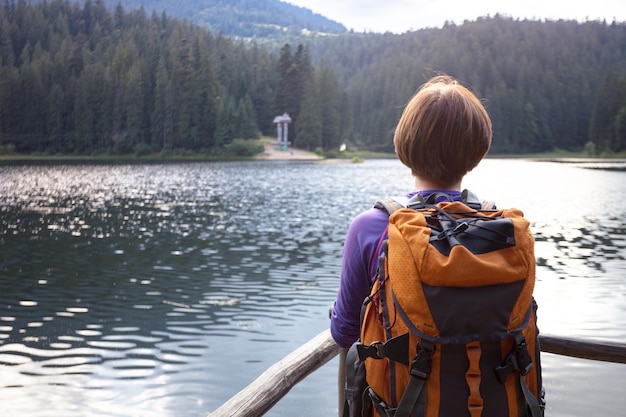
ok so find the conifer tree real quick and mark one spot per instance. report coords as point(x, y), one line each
point(620, 129)
point(330, 102)
point(309, 125)
point(206, 83)
point(225, 128)
point(286, 69)
point(163, 111)
point(603, 119)
point(246, 127)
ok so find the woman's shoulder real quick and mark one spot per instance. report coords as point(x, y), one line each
point(373, 214)
point(371, 222)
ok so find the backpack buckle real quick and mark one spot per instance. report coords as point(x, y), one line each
point(376, 350)
point(421, 364)
point(524, 360)
point(518, 360)
point(506, 368)
point(395, 349)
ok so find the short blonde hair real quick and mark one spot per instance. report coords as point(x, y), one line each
point(444, 131)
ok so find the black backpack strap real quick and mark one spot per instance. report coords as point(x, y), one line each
point(389, 205)
point(356, 385)
point(520, 362)
point(471, 200)
point(413, 401)
point(467, 197)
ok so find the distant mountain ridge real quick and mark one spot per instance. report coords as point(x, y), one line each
point(237, 18)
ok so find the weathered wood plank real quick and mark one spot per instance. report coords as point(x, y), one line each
point(261, 395)
point(596, 350)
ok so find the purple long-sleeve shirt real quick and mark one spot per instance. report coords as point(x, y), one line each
point(358, 270)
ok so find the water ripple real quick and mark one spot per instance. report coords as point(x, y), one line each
point(163, 289)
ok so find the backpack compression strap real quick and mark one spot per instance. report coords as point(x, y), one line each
point(520, 362)
point(410, 403)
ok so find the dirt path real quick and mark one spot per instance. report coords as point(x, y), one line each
point(273, 153)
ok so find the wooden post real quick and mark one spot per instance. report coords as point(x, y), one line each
point(259, 397)
point(341, 380)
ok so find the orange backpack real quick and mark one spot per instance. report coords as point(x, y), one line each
point(449, 328)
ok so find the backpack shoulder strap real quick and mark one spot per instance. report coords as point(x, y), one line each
point(467, 197)
point(390, 205)
point(471, 200)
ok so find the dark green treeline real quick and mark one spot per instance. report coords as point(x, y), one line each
point(85, 79)
point(547, 85)
point(88, 80)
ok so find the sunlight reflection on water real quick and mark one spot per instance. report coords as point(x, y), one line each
point(161, 288)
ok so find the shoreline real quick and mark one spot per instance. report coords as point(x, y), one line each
point(272, 153)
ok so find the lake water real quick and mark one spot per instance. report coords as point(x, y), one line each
point(164, 289)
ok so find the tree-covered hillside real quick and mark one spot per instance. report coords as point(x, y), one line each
point(82, 78)
point(86, 80)
point(540, 80)
point(259, 19)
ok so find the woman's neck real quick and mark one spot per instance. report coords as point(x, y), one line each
point(424, 184)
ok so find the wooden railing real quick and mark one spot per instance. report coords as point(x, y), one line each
point(597, 350)
point(262, 394)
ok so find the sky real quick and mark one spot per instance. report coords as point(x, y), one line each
point(399, 16)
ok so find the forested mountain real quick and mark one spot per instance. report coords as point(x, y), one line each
point(86, 80)
point(259, 19)
point(83, 78)
point(540, 80)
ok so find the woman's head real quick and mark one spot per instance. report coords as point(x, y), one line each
point(443, 133)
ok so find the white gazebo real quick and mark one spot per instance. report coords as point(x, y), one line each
point(282, 130)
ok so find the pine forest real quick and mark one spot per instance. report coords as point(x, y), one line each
point(84, 79)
